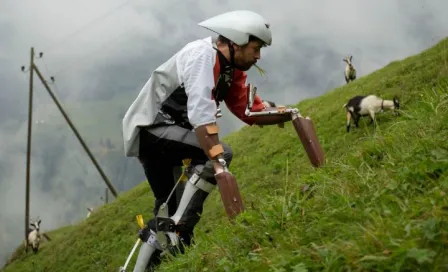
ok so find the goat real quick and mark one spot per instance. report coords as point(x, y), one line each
point(35, 236)
point(90, 212)
point(359, 106)
point(350, 71)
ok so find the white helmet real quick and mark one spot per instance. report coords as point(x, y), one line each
point(238, 25)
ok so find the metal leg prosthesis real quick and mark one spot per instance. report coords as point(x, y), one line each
point(179, 227)
point(166, 234)
point(147, 252)
point(195, 192)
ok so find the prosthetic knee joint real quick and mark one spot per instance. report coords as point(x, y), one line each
point(195, 193)
point(188, 212)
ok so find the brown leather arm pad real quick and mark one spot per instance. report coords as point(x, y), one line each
point(271, 119)
point(307, 133)
point(209, 140)
point(230, 194)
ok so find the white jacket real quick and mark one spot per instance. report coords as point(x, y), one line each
point(192, 66)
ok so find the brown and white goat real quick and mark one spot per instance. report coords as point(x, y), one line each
point(359, 106)
point(350, 71)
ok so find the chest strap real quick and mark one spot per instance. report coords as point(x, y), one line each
point(225, 78)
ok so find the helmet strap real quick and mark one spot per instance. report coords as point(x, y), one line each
point(232, 53)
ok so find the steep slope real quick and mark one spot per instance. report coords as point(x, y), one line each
point(379, 203)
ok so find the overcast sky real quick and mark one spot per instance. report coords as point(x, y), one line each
point(98, 46)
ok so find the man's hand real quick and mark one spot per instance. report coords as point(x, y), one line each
point(272, 119)
point(268, 104)
point(270, 109)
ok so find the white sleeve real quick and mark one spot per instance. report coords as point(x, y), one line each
point(198, 78)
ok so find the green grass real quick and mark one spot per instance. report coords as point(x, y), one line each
point(379, 204)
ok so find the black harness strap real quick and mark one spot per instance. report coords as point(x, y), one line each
point(225, 78)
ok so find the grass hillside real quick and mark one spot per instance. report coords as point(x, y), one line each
point(379, 204)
